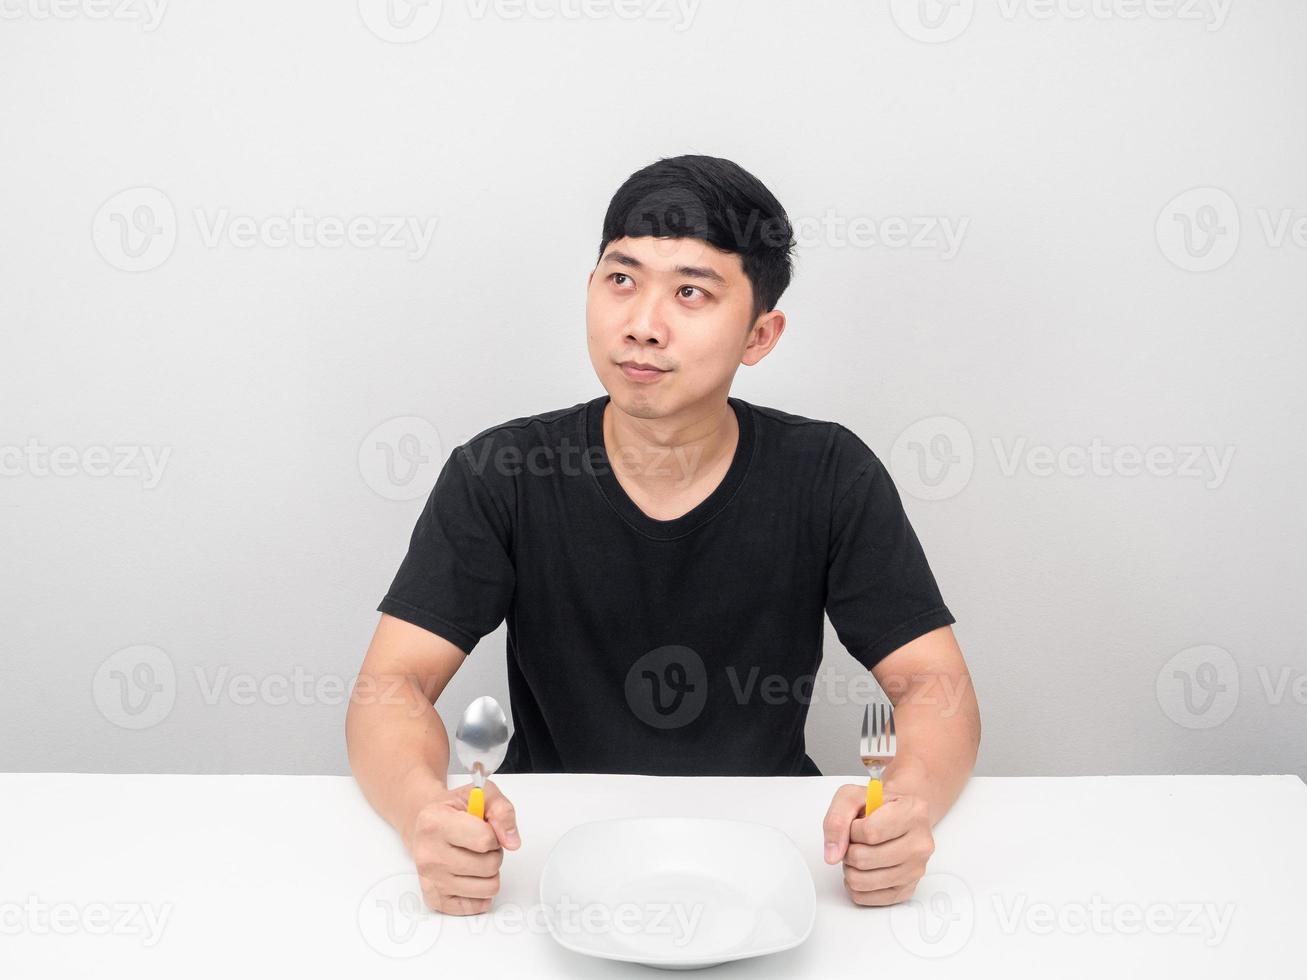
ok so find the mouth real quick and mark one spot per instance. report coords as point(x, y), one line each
point(641, 371)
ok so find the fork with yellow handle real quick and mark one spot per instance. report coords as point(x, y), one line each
point(877, 749)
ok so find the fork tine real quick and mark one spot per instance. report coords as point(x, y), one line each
point(893, 743)
point(865, 745)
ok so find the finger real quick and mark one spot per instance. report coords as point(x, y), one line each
point(879, 878)
point(463, 886)
point(502, 817)
point(882, 896)
point(867, 857)
point(461, 861)
point(456, 905)
point(885, 823)
point(847, 804)
point(473, 833)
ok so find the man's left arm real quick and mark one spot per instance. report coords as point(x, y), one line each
point(937, 730)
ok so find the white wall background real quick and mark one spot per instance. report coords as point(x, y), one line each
point(1114, 622)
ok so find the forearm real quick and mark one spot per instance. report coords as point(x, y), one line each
point(398, 749)
point(937, 746)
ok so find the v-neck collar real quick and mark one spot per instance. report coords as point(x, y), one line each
point(592, 423)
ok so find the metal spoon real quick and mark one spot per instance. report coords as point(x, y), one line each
point(481, 741)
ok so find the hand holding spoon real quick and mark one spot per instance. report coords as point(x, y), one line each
point(481, 741)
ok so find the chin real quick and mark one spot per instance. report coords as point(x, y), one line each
point(639, 403)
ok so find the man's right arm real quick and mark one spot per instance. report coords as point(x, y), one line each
point(399, 754)
point(398, 749)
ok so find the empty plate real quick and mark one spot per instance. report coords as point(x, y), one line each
point(677, 892)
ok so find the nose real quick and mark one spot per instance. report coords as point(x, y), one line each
point(646, 325)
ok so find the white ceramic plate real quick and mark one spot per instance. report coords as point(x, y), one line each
point(677, 892)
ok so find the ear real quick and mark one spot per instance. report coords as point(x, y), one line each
point(763, 336)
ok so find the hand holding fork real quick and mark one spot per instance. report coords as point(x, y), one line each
point(884, 849)
point(877, 749)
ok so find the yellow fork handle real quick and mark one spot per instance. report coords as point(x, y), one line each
point(875, 796)
point(476, 802)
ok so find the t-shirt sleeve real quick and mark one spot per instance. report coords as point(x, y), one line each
point(457, 578)
point(880, 592)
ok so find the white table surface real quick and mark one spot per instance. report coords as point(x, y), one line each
point(250, 876)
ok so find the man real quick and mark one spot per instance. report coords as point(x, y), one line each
point(658, 552)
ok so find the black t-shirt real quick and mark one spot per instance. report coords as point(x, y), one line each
point(645, 646)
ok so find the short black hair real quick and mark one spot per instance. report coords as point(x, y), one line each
point(717, 201)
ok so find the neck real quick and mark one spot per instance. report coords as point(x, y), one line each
point(672, 452)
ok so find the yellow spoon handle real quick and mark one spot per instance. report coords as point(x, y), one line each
point(875, 795)
point(476, 803)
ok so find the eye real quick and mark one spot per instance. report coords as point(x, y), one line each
point(616, 275)
point(695, 288)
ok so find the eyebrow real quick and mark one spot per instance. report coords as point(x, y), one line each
point(692, 271)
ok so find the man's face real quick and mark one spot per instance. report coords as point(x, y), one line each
point(678, 304)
